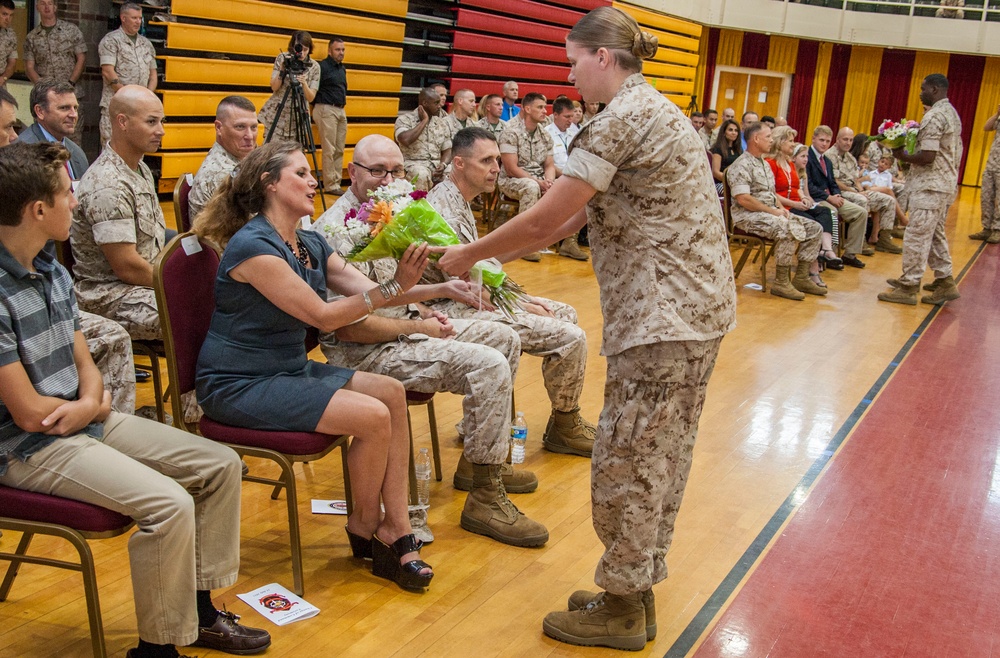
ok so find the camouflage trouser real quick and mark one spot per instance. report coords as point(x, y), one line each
point(884, 207)
point(988, 198)
point(111, 348)
point(924, 242)
point(480, 362)
point(792, 234)
point(856, 218)
point(421, 172)
point(136, 311)
point(105, 126)
point(525, 190)
point(559, 341)
point(642, 455)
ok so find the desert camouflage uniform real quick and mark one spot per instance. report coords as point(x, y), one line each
point(268, 112)
point(845, 171)
point(990, 184)
point(54, 51)
point(117, 205)
point(423, 156)
point(133, 60)
point(930, 191)
point(454, 124)
point(707, 137)
point(479, 362)
point(8, 48)
point(532, 149)
point(218, 164)
point(559, 341)
point(495, 128)
point(751, 175)
point(111, 348)
point(660, 253)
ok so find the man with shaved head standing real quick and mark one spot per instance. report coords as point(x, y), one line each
point(118, 228)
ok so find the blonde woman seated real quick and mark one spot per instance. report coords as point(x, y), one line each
point(788, 186)
point(253, 370)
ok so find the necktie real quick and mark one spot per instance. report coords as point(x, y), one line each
point(822, 164)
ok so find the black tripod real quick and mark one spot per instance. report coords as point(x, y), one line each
point(300, 122)
point(692, 106)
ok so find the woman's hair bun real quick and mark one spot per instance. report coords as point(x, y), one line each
point(644, 45)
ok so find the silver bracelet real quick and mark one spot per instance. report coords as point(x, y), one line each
point(368, 302)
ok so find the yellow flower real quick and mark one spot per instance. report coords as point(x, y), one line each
point(381, 213)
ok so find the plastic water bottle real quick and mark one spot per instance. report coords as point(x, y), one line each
point(422, 466)
point(518, 437)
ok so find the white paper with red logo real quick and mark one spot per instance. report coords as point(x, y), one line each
point(278, 604)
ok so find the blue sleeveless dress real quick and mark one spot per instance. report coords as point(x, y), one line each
point(253, 370)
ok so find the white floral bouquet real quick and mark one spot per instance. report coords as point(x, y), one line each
point(895, 134)
point(396, 216)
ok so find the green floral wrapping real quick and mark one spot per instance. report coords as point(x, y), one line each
point(416, 223)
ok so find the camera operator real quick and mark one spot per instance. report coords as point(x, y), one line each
point(292, 65)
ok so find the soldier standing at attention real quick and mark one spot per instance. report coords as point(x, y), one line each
point(638, 176)
point(990, 184)
point(55, 49)
point(930, 191)
point(127, 58)
point(8, 42)
point(329, 115)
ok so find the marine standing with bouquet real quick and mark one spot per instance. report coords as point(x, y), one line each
point(930, 190)
point(637, 175)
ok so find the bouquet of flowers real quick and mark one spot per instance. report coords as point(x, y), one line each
point(396, 216)
point(895, 134)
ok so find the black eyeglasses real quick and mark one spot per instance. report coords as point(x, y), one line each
point(380, 172)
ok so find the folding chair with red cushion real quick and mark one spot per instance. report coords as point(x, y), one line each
point(185, 298)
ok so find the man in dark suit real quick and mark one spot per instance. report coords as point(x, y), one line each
point(56, 111)
point(824, 189)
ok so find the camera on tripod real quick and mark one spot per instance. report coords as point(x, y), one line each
point(295, 65)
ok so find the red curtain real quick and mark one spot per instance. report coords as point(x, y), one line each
point(711, 56)
point(802, 87)
point(965, 77)
point(755, 50)
point(836, 85)
point(893, 87)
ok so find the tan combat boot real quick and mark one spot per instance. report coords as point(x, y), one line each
point(927, 286)
point(513, 481)
point(488, 511)
point(570, 249)
point(944, 291)
point(782, 287)
point(994, 237)
point(898, 232)
point(803, 283)
point(533, 257)
point(886, 244)
point(568, 433)
point(582, 598)
point(612, 621)
point(981, 235)
point(901, 295)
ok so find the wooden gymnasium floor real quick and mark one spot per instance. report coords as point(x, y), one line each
point(791, 382)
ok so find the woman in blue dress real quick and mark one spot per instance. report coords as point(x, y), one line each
point(253, 370)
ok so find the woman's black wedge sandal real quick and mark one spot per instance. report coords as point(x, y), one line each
point(360, 547)
point(385, 563)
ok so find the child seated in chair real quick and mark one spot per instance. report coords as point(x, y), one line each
point(59, 436)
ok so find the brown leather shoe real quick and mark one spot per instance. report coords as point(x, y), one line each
point(229, 636)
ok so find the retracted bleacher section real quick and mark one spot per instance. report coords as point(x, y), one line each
point(480, 44)
point(215, 48)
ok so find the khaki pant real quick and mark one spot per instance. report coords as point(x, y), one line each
point(855, 218)
point(525, 190)
point(988, 198)
point(559, 341)
point(332, 123)
point(653, 400)
point(182, 490)
point(924, 242)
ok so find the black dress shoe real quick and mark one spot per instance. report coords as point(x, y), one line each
point(143, 375)
point(853, 261)
point(229, 636)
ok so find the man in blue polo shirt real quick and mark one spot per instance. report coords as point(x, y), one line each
point(59, 435)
